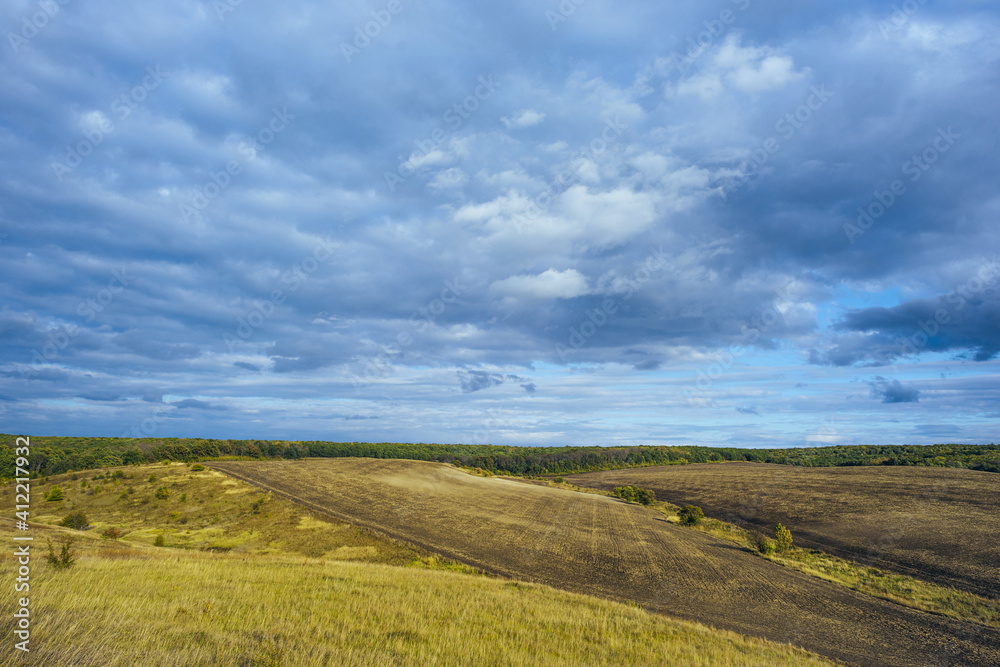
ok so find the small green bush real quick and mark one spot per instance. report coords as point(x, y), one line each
point(761, 543)
point(162, 493)
point(558, 480)
point(111, 533)
point(152, 478)
point(159, 541)
point(197, 467)
point(65, 557)
point(782, 538)
point(55, 494)
point(691, 515)
point(634, 494)
point(76, 521)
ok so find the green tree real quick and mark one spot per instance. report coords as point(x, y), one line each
point(55, 494)
point(162, 493)
point(782, 538)
point(691, 515)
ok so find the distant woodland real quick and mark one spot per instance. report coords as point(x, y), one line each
point(54, 455)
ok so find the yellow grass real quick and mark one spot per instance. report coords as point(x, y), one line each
point(161, 606)
point(286, 595)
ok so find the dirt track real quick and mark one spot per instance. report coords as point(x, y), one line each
point(601, 546)
point(938, 524)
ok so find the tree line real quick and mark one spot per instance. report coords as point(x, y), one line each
point(54, 455)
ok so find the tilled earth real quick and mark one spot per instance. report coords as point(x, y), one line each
point(601, 546)
point(936, 524)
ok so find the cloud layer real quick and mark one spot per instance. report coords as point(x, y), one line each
point(635, 223)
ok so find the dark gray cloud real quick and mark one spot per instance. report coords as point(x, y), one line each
point(893, 391)
point(472, 381)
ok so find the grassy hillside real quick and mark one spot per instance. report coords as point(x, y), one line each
point(206, 510)
point(596, 545)
point(276, 590)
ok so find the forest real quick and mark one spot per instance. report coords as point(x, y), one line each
point(52, 455)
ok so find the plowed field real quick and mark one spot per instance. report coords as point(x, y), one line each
point(601, 546)
point(936, 524)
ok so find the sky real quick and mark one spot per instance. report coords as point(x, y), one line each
point(732, 223)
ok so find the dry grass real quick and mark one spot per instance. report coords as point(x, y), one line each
point(169, 607)
point(595, 545)
point(207, 510)
point(267, 603)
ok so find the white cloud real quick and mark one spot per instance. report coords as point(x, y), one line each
point(449, 178)
point(748, 69)
point(551, 284)
point(523, 118)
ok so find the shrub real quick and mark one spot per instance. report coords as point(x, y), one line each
point(55, 494)
point(152, 478)
point(634, 494)
point(162, 493)
point(691, 515)
point(184, 497)
point(111, 533)
point(761, 543)
point(782, 538)
point(76, 521)
point(159, 541)
point(197, 467)
point(558, 480)
point(65, 557)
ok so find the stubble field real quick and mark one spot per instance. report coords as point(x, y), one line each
point(601, 546)
point(936, 524)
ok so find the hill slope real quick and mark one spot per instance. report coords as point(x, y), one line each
point(938, 524)
point(600, 546)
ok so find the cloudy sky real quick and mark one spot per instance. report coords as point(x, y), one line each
point(729, 223)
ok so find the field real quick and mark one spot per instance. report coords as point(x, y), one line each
point(937, 524)
point(236, 586)
point(600, 546)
